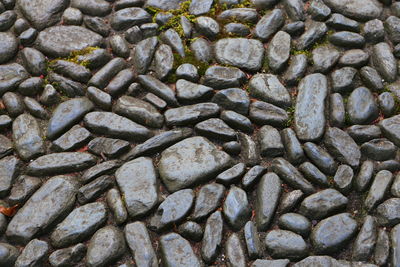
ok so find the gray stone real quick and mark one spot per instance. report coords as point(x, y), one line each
point(137, 180)
point(323, 204)
point(342, 23)
point(191, 230)
point(296, 69)
point(320, 158)
point(72, 139)
point(347, 39)
point(215, 129)
point(365, 241)
point(233, 99)
point(271, 263)
point(27, 137)
point(51, 202)
point(80, 224)
point(268, 193)
point(337, 111)
point(296, 223)
point(324, 58)
point(188, 92)
point(361, 106)
point(264, 113)
point(387, 103)
point(295, 9)
point(33, 254)
point(293, 148)
point(236, 120)
point(117, 206)
point(390, 128)
point(343, 178)
point(382, 247)
point(8, 254)
point(94, 189)
point(387, 213)
point(269, 24)
point(163, 61)
point(332, 233)
point(212, 237)
point(278, 51)
point(102, 77)
point(8, 47)
point(384, 61)
point(290, 200)
point(285, 244)
point(201, 49)
point(208, 199)
point(11, 75)
point(9, 170)
point(310, 107)
point(357, 9)
point(355, 58)
point(316, 30)
point(379, 187)
point(177, 251)
point(343, 79)
point(253, 243)
point(395, 245)
point(105, 247)
point(143, 54)
point(139, 242)
point(249, 150)
point(61, 41)
point(158, 88)
point(219, 77)
point(231, 175)
point(67, 256)
point(236, 208)
point(23, 188)
point(379, 149)
point(234, 251)
point(172, 38)
point(164, 4)
point(239, 52)
point(313, 174)
point(128, 17)
point(207, 26)
point(268, 88)
point(364, 176)
point(270, 142)
point(199, 7)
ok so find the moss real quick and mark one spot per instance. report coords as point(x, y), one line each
point(347, 119)
point(290, 111)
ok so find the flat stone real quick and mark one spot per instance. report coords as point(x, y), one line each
point(249, 150)
point(343, 178)
point(199, 7)
point(268, 88)
point(139, 242)
point(11, 75)
point(332, 233)
point(378, 189)
point(285, 244)
point(278, 51)
point(185, 115)
point(9, 170)
point(391, 129)
point(231, 175)
point(51, 202)
point(269, 190)
point(128, 17)
point(264, 113)
point(387, 213)
point(116, 126)
point(42, 13)
point(23, 188)
point(269, 24)
point(137, 180)
point(270, 263)
point(143, 54)
point(60, 163)
point(220, 77)
point(395, 245)
point(189, 92)
point(384, 61)
point(236, 208)
point(177, 251)
point(236, 120)
point(234, 251)
point(324, 58)
point(382, 247)
point(379, 149)
point(61, 41)
point(80, 224)
point(270, 142)
point(234, 99)
point(72, 139)
point(67, 114)
point(310, 107)
point(8, 47)
point(158, 88)
point(94, 189)
point(27, 137)
point(239, 52)
point(208, 199)
point(92, 7)
point(313, 174)
point(117, 206)
point(173, 209)
point(67, 256)
point(365, 241)
point(296, 223)
point(316, 30)
point(34, 254)
point(361, 106)
point(212, 237)
point(215, 128)
point(109, 147)
point(322, 204)
point(293, 148)
point(105, 247)
point(322, 159)
point(164, 4)
point(253, 243)
point(356, 9)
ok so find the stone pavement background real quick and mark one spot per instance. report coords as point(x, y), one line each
point(199, 133)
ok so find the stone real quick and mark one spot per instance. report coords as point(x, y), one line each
point(270, 263)
point(342, 146)
point(177, 251)
point(137, 180)
point(67, 256)
point(382, 246)
point(51, 202)
point(236, 208)
point(315, 32)
point(201, 161)
point(285, 244)
point(93, 7)
point(291, 175)
point(324, 58)
point(188, 92)
point(387, 213)
point(8, 47)
point(231, 175)
point(269, 24)
point(212, 237)
point(158, 88)
point(42, 13)
point(102, 77)
point(249, 151)
point(290, 200)
point(116, 126)
point(347, 39)
point(356, 9)
point(215, 129)
point(72, 139)
point(322, 159)
point(139, 242)
point(239, 52)
point(343, 79)
point(252, 239)
point(313, 174)
point(278, 51)
point(295, 9)
point(268, 194)
point(365, 241)
point(27, 137)
point(293, 148)
point(198, 7)
point(67, 114)
point(337, 111)
point(268, 88)
point(392, 28)
point(143, 54)
point(395, 247)
point(128, 17)
point(61, 41)
point(361, 106)
point(234, 251)
point(219, 77)
point(310, 106)
point(390, 127)
point(9, 254)
point(332, 233)
point(208, 199)
point(105, 247)
point(236, 120)
point(264, 113)
point(234, 99)
point(33, 254)
point(384, 61)
point(296, 223)
point(80, 224)
point(191, 230)
point(11, 75)
point(343, 178)
point(379, 149)
point(322, 204)
point(378, 189)
point(270, 142)
point(207, 26)
point(163, 61)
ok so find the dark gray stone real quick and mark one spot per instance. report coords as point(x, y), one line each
point(234, 99)
point(296, 223)
point(264, 113)
point(347, 39)
point(158, 88)
point(296, 69)
point(380, 186)
point(384, 61)
point(269, 24)
point(365, 241)
point(231, 175)
point(316, 30)
point(76, 137)
point(355, 58)
point(236, 208)
point(27, 137)
point(177, 251)
point(337, 111)
point(382, 247)
point(212, 237)
point(387, 213)
point(278, 51)
point(286, 244)
point(361, 106)
point(379, 149)
point(117, 206)
point(320, 158)
point(249, 151)
point(356, 9)
point(94, 189)
point(11, 75)
point(191, 230)
point(234, 251)
point(313, 174)
point(324, 58)
point(67, 256)
point(8, 254)
point(208, 199)
point(215, 129)
point(252, 239)
point(102, 77)
point(191, 114)
point(219, 77)
point(188, 92)
point(293, 148)
point(343, 178)
point(270, 142)
point(108, 147)
point(143, 54)
point(268, 88)
point(128, 17)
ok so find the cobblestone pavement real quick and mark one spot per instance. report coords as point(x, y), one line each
point(199, 133)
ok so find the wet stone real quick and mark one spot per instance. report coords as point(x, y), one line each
point(187, 72)
point(116, 126)
point(252, 239)
point(33, 254)
point(202, 50)
point(249, 151)
point(215, 129)
point(278, 51)
point(49, 96)
point(268, 193)
point(390, 129)
point(313, 174)
point(323, 204)
point(234, 99)
point(337, 110)
point(34, 108)
point(128, 17)
point(9, 254)
point(191, 114)
point(236, 208)
point(208, 199)
point(236, 120)
point(137, 180)
point(387, 213)
point(380, 186)
point(371, 78)
point(395, 189)
point(364, 133)
point(143, 55)
point(239, 52)
point(318, 10)
point(381, 253)
point(99, 98)
point(320, 158)
point(332, 233)
point(268, 88)
point(234, 251)
point(116, 205)
point(264, 113)
point(269, 24)
point(27, 137)
point(177, 251)
point(355, 58)
point(158, 88)
point(387, 103)
point(31, 86)
point(72, 16)
point(343, 79)
point(80, 224)
point(173, 209)
point(94, 189)
point(361, 106)
point(53, 200)
point(219, 77)
point(315, 32)
point(9, 170)
point(236, 29)
point(296, 69)
point(23, 188)
point(310, 106)
point(271, 263)
point(393, 29)
point(296, 223)
point(295, 9)
point(11, 75)
point(232, 147)
point(356, 9)
point(191, 230)
point(188, 92)
point(155, 101)
point(198, 7)
point(106, 246)
point(290, 200)
point(293, 149)
point(324, 58)
point(231, 175)
point(347, 39)
point(343, 178)
point(384, 61)
point(6, 146)
point(379, 149)
point(212, 237)
point(172, 38)
point(374, 31)
point(207, 26)
point(67, 256)
point(365, 241)
point(285, 244)
point(72, 139)
point(342, 146)
point(138, 240)
point(109, 147)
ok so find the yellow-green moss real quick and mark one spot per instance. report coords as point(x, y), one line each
point(290, 111)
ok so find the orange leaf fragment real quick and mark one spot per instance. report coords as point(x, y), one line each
point(9, 211)
point(83, 149)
